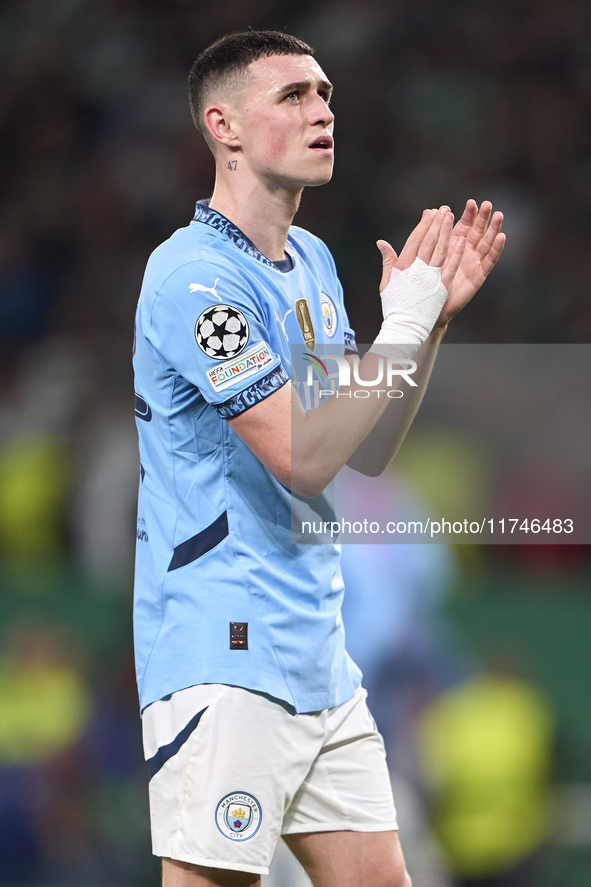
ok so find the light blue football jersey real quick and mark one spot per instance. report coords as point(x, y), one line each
point(222, 595)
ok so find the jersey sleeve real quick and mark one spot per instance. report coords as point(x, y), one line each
point(210, 326)
point(348, 334)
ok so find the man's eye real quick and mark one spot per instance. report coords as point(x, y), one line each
point(292, 95)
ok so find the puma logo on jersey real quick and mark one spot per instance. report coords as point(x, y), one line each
point(199, 288)
point(282, 322)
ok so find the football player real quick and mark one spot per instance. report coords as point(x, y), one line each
point(255, 722)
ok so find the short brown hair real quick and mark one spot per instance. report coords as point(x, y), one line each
point(229, 57)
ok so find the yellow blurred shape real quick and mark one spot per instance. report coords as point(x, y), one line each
point(449, 470)
point(32, 490)
point(43, 710)
point(486, 750)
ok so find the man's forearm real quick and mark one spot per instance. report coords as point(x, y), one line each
point(363, 432)
point(379, 448)
point(305, 451)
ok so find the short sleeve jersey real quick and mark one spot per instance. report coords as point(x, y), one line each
point(222, 594)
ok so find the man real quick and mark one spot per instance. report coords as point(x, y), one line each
point(255, 724)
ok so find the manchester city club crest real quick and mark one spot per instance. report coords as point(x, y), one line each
point(238, 816)
point(329, 314)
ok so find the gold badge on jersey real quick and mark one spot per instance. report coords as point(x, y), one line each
point(302, 312)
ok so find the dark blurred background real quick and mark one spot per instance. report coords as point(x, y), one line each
point(99, 162)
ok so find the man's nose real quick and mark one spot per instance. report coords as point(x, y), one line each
point(321, 112)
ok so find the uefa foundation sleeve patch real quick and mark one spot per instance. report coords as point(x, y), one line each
point(250, 362)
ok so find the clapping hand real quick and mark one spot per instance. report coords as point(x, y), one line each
point(484, 245)
point(466, 252)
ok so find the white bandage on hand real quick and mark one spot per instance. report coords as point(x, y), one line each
point(411, 303)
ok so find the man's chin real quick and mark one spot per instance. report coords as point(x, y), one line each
point(309, 179)
point(320, 178)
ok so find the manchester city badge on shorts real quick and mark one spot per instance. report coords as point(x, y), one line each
point(238, 816)
point(329, 314)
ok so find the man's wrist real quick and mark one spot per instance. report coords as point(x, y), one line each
point(437, 333)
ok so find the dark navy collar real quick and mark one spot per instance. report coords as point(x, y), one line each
point(216, 220)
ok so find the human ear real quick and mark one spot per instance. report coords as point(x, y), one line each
point(218, 121)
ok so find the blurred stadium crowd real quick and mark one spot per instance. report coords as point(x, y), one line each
point(99, 162)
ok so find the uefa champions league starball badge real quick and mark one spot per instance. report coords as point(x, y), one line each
point(238, 816)
point(221, 332)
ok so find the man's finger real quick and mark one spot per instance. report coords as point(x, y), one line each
point(478, 228)
point(452, 263)
point(490, 260)
point(466, 219)
point(439, 252)
point(388, 261)
point(431, 238)
point(409, 252)
point(489, 238)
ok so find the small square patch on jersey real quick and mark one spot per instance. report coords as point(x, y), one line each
point(238, 635)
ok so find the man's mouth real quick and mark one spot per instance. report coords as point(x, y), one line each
point(322, 143)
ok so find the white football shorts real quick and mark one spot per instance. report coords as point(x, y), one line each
point(232, 770)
